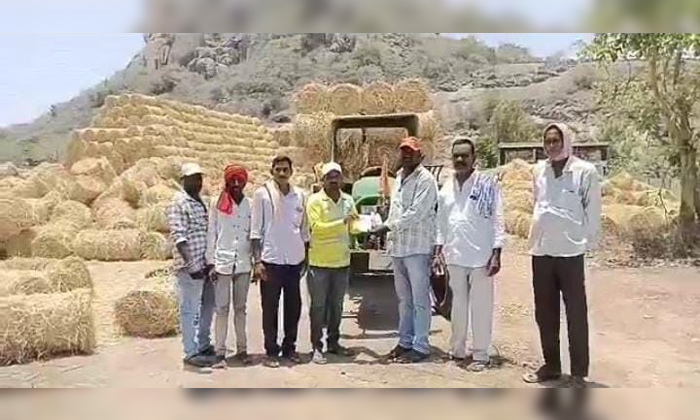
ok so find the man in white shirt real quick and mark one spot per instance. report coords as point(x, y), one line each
point(565, 226)
point(229, 258)
point(470, 236)
point(280, 242)
point(411, 228)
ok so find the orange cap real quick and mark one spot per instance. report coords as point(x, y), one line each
point(410, 142)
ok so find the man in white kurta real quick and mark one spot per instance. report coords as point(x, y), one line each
point(470, 237)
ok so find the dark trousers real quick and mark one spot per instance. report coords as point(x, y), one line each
point(327, 287)
point(553, 276)
point(281, 278)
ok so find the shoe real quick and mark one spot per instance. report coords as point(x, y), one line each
point(543, 374)
point(292, 357)
point(318, 358)
point(452, 358)
point(199, 361)
point(577, 382)
point(339, 350)
point(242, 356)
point(414, 357)
point(208, 351)
point(271, 362)
point(398, 351)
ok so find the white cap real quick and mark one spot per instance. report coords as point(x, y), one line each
point(330, 167)
point(189, 169)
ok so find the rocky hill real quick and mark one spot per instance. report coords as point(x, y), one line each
point(255, 74)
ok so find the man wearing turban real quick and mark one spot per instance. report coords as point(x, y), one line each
point(228, 254)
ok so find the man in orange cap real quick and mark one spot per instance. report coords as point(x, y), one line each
point(411, 226)
point(229, 258)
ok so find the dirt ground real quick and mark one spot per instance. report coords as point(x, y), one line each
point(644, 333)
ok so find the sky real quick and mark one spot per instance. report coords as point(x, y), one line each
point(54, 49)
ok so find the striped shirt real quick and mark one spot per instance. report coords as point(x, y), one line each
point(412, 214)
point(188, 221)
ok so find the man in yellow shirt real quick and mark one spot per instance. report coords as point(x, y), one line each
point(330, 213)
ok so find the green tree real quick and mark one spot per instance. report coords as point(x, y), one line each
point(674, 83)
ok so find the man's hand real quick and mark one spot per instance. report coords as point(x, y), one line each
point(350, 218)
point(259, 272)
point(494, 265)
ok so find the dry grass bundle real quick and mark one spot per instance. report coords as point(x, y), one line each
point(114, 245)
point(149, 311)
point(429, 127)
point(157, 194)
point(76, 149)
point(313, 97)
point(63, 274)
point(15, 216)
point(23, 282)
point(54, 241)
point(648, 219)
point(345, 99)
point(19, 245)
point(41, 208)
point(313, 130)
point(87, 188)
point(38, 326)
point(153, 218)
point(378, 98)
point(114, 213)
point(282, 135)
point(99, 168)
point(132, 190)
point(156, 246)
point(516, 171)
point(519, 200)
point(72, 213)
point(412, 95)
point(518, 223)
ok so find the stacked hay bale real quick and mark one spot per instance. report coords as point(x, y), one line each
point(45, 309)
point(317, 106)
point(516, 184)
point(151, 310)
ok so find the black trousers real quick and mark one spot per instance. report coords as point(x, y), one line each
point(565, 276)
point(281, 278)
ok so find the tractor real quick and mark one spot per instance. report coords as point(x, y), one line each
point(369, 256)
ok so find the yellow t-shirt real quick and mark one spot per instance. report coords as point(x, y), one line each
point(330, 236)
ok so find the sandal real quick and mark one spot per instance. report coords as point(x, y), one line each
point(477, 366)
point(541, 375)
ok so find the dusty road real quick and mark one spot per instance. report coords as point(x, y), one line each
point(644, 333)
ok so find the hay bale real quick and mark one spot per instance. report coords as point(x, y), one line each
point(412, 95)
point(648, 219)
point(76, 149)
point(313, 131)
point(42, 325)
point(19, 245)
point(23, 282)
point(157, 194)
point(312, 98)
point(114, 213)
point(86, 189)
point(149, 311)
point(63, 274)
point(516, 171)
point(519, 200)
point(69, 274)
point(156, 246)
point(518, 223)
point(109, 245)
point(16, 214)
point(153, 218)
point(73, 213)
point(54, 241)
point(99, 168)
point(429, 127)
point(282, 135)
point(378, 98)
point(345, 99)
